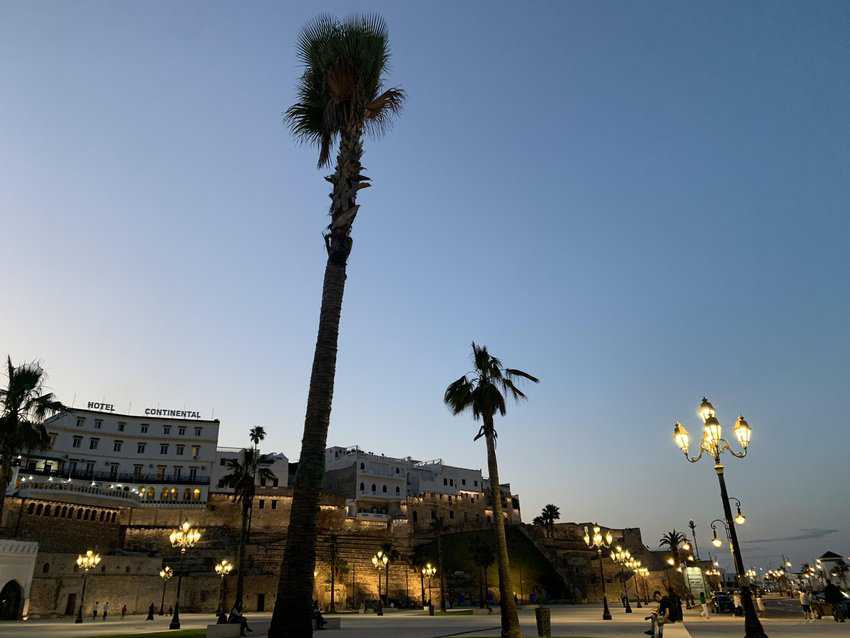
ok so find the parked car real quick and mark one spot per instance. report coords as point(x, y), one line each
point(821, 607)
point(723, 603)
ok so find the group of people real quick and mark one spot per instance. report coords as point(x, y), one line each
point(831, 594)
point(97, 610)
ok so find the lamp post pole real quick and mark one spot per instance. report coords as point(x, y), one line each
point(165, 574)
point(85, 562)
point(222, 568)
point(184, 538)
point(713, 444)
point(600, 542)
point(693, 527)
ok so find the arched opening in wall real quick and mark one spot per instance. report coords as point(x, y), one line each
point(196, 494)
point(102, 514)
point(11, 601)
point(64, 511)
point(31, 508)
point(187, 493)
point(114, 516)
point(45, 568)
point(39, 509)
point(85, 515)
point(57, 511)
point(47, 510)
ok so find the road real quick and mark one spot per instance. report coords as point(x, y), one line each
point(578, 620)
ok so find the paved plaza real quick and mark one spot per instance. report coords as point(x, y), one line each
point(567, 621)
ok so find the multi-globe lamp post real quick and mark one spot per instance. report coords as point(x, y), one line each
point(85, 562)
point(634, 566)
point(600, 542)
point(622, 557)
point(380, 562)
point(222, 568)
point(428, 571)
point(183, 538)
point(713, 445)
point(166, 573)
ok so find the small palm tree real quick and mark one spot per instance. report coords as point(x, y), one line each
point(483, 556)
point(24, 405)
point(550, 514)
point(421, 557)
point(483, 392)
point(341, 98)
point(243, 474)
point(673, 539)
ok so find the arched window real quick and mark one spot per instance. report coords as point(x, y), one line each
point(374, 489)
point(102, 514)
point(57, 510)
point(384, 489)
point(397, 489)
point(114, 516)
point(79, 513)
point(47, 510)
point(86, 515)
point(362, 487)
point(31, 508)
point(396, 470)
point(45, 568)
point(65, 511)
point(362, 466)
point(39, 509)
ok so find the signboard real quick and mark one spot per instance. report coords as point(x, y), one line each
point(695, 581)
point(103, 407)
point(179, 414)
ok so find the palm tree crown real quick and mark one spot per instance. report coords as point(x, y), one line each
point(484, 389)
point(672, 539)
point(244, 472)
point(341, 90)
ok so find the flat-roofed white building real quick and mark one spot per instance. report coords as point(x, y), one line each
point(163, 455)
point(279, 466)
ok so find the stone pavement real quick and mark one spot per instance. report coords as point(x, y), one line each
point(571, 621)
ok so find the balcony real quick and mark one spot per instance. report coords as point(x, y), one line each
point(118, 477)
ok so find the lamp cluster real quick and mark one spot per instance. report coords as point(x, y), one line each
point(88, 561)
point(185, 537)
point(713, 442)
point(224, 567)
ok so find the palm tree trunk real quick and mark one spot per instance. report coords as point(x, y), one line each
point(442, 571)
point(510, 620)
point(292, 617)
point(240, 568)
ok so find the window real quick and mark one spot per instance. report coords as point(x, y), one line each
point(116, 446)
point(166, 429)
point(163, 448)
point(362, 487)
point(81, 420)
point(160, 472)
point(451, 513)
point(89, 467)
point(362, 466)
point(452, 482)
point(193, 473)
point(178, 472)
point(187, 494)
point(196, 451)
point(98, 423)
point(137, 472)
point(397, 490)
point(396, 471)
point(198, 431)
point(475, 483)
point(374, 488)
point(93, 443)
point(262, 504)
point(262, 481)
point(143, 428)
point(140, 448)
point(384, 489)
point(181, 430)
point(463, 481)
point(78, 441)
point(222, 462)
point(122, 425)
point(196, 494)
point(445, 481)
point(113, 470)
point(274, 505)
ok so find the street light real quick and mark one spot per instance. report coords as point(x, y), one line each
point(183, 538)
point(165, 574)
point(222, 568)
point(379, 562)
point(635, 566)
point(600, 542)
point(713, 444)
point(85, 562)
point(622, 557)
point(428, 571)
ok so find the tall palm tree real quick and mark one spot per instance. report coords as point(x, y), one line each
point(550, 514)
point(242, 476)
point(23, 407)
point(673, 539)
point(483, 392)
point(341, 98)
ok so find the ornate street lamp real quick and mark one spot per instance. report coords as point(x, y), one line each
point(379, 562)
point(600, 542)
point(165, 574)
point(86, 562)
point(428, 571)
point(644, 574)
point(222, 568)
point(634, 566)
point(713, 444)
point(621, 557)
point(183, 538)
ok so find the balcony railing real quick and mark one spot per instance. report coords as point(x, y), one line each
point(119, 477)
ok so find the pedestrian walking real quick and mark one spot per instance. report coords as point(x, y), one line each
point(736, 603)
point(150, 612)
point(94, 610)
point(105, 610)
point(703, 601)
point(805, 605)
point(123, 611)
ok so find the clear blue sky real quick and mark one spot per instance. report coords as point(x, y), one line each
point(640, 203)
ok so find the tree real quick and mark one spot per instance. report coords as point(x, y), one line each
point(840, 571)
point(24, 405)
point(341, 98)
point(438, 527)
point(550, 514)
point(242, 476)
point(483, 556)
point(539, 521)
point(421, 557)
point(483, 392)
point(673, 540)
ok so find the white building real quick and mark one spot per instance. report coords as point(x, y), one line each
point(377, 485)
point(159, 456)
point(17, 562)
